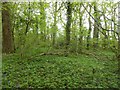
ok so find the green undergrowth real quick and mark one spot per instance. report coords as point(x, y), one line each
point(98, 69)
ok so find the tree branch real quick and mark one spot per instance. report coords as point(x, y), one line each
point(100, 24)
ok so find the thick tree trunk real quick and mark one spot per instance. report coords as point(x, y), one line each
point(69, 15)
point(6, 29)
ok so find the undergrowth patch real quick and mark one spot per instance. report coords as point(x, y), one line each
point(52, 71)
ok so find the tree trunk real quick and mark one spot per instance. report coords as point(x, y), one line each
point(80, 28)
point(43, 21)
point(1, 35)
point(95, 33)
point(28, 20)
point(68, 25)
point(118, 56)
point(105, 38)
point(6, 29)
point(89, 32)
point(55, 21)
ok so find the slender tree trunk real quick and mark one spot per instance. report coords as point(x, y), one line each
point(1, 46)
point(118, 56)
point(0, 35)
point(6, 29)
point(43, 21)
point(68, 25)
point(95, 33)
point(28, 20)
point(119, 47)
point(80, 30)
point(105, 38)
point(114, 26)
point(36, 25)
point(89, 32)
point(55, 21)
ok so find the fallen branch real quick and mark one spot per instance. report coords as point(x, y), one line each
point(48, 53)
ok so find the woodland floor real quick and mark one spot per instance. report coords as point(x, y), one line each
point(93, 70)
